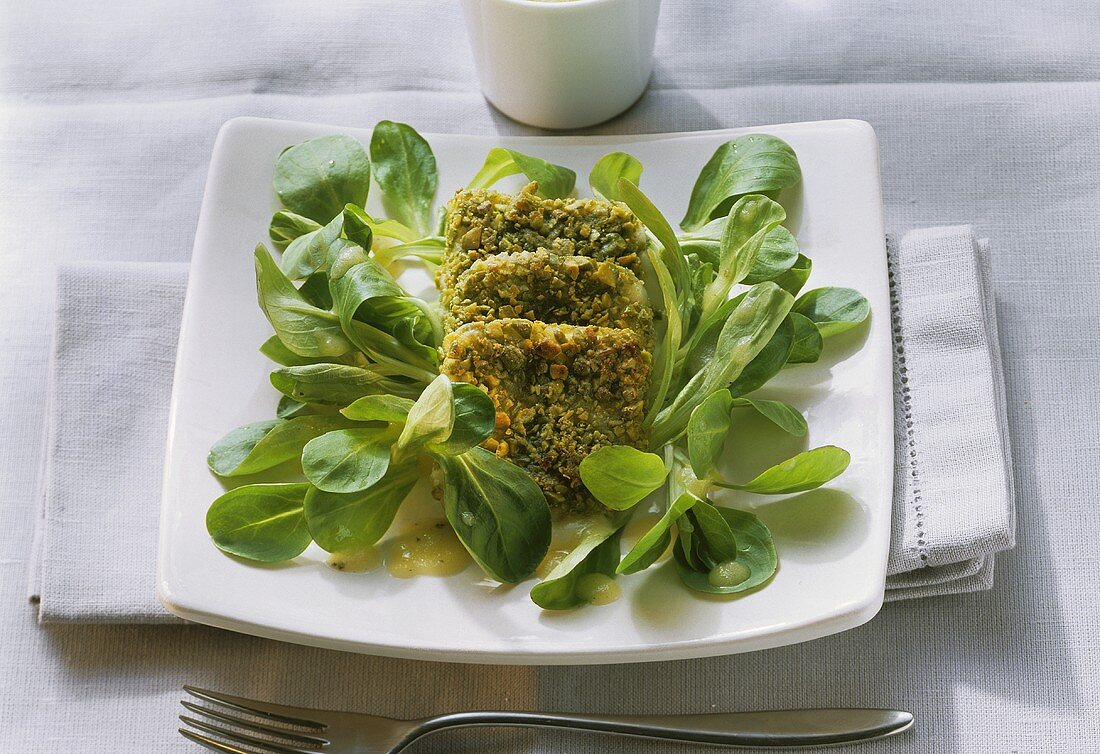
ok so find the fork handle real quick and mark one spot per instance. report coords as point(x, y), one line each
point(776, 728)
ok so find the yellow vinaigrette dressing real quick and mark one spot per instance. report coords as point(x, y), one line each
point(728, 573)
point(355, 562)
point(597, 589)
point(428, 548)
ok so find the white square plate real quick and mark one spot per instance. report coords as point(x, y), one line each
point(833, 544)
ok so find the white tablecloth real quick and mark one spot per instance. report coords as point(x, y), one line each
point(987, 113)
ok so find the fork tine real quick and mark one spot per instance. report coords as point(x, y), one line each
point(240, 738)
point(278, 712)
point(212, 744)
point(254, 726)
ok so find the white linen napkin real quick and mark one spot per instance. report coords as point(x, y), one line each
point(110, 385)
point(954, 503)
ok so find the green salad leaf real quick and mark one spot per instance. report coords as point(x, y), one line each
point(833, 310)
point(498, 165)
point(767, 363)
point(274, 349)
point(794, 278)
point(449, 418)
point(808, 343)
point(706, 432)
point(347, 460)
point(286, 226)
point(498, 512)
point(782, 415)
point(605, 175)
point(753, 164)
point(474, 418)
point(805, 471)
point(357, 226)
point(750, 220)
point(399, 240)
point(288, 408)
point(263, 522)
point(700, 348)
point(315, 290)
point(777, 254)
point(379, 317)
point(318, 177)
point(368, 293)
point(331, 384)
point(664, 363)
point(655, 541)
point(620, 476)
point(749, 327)
point(746, 331)
point(674, 281)
point(386, 408)
point(428, 250)
point(361, 283)
point(671, 253)
point(405, 169)
point(707, 564)
point(554, 181)
point(596, 553)
point(314, 251)
point(432, 417)
point(303, 328)
point(355, 521)
point(228, 454)
point(262, 445)
point(715, 540)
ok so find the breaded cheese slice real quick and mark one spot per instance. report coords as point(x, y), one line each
point(543, 286)
point(560, 392)
point(484, 223)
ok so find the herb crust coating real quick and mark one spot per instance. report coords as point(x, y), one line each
point(484, 223)
point(560, 392)
point(543, 286)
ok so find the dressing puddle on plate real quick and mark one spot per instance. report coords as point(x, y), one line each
point(426, 547)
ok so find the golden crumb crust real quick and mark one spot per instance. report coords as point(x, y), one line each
point(560, 392)
point(483, 223)
point(546, 287)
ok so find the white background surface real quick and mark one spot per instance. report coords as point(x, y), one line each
point(986, 113)
point(832, 564)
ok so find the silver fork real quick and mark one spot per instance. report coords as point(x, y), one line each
point(245, 726)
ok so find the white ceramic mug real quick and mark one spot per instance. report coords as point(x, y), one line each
point(564, 64)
